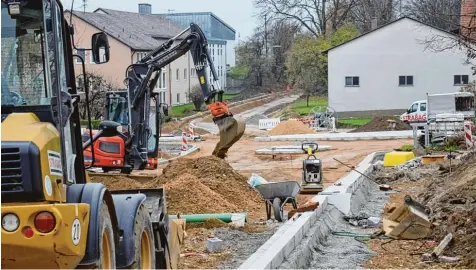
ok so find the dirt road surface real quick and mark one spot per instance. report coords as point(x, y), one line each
point(289, 167)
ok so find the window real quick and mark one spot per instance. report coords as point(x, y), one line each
point(177, 75)
point(178, 98)
point(82, 53)
point(192, 72)
point(413, 108)
point(423, 107)
point(185, 74)
point(461, 79)
point(113, 148)
point(405, 80)
point(352, 81)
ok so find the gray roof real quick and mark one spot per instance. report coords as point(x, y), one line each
point(138, 31)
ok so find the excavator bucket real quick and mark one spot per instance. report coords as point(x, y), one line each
point(408, 221)
point(231, 130)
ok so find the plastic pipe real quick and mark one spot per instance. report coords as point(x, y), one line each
point(225, 217)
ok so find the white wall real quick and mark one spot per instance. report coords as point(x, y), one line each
point(218, 54)
point(230, 52)
point(380, 57)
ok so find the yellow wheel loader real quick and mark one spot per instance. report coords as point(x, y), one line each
point(52, 216)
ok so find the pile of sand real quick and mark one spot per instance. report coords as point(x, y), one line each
point(291, 127)
point(382, 124)
point(117, 182)
point(206, 185)
point(186, 194)
point(194, 186)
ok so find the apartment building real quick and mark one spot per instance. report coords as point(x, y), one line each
point(220, 36)
point(131, 37)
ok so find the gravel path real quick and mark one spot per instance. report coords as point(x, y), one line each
point(240, 244)
point(212, 128)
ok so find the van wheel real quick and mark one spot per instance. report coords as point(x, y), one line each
point(144, 257)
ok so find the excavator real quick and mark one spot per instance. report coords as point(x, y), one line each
point(52, 215)
point(137, 147)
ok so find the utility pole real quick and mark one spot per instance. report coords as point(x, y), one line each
point(266, 34)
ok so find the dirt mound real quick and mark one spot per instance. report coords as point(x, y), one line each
point(290, 127)
point(186, 194)
point(194, 186)
point(452, 199)
point(116, 182)
point(382, 124)
point(221, 187)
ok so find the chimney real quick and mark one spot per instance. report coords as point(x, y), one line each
point(145, 8)
point(374, 23)
point(468, 19)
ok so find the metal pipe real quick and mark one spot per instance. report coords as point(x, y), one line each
point(225, 217)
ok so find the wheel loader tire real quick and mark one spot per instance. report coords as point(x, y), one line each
point(107, 252)
point(107, 249)
point(144, 241)
point(278, 215)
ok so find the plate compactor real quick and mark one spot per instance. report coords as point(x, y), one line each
point(311, 171)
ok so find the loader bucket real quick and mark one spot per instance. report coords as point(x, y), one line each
point(408, 221)
point(231, 130)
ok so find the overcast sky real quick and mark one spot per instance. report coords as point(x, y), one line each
point(239, 14)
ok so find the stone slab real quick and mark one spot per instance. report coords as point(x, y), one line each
point(382, 135)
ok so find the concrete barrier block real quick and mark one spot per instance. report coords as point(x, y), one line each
point(288, 249)
point(277, 260)
point(341, 202)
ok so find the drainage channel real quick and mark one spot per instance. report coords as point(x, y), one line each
point(309, 240)
point(320, 248)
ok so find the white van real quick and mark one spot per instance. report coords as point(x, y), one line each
point(448, 103)
point(416, 112)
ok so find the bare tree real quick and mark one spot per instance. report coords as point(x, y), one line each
point(282, 35)
point(312, 15)
point(383, 11)
point(443, 14)
point(98, 87)
point(446, 15)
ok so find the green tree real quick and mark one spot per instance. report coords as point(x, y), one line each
point(307, 63)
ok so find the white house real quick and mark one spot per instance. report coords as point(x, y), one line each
point(385, 70)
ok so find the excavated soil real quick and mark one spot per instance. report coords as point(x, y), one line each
point(206, 185)
point(197, 186)
point(117, 182)
point(382, 124)
point(450, 192)
point(291, 127)
point(452, 198)
point(186, 194)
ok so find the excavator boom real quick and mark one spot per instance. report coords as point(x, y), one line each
point(141, 78)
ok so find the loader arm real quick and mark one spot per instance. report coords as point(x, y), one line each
point(142, 77)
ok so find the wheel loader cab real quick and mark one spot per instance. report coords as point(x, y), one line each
point(46, 208)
